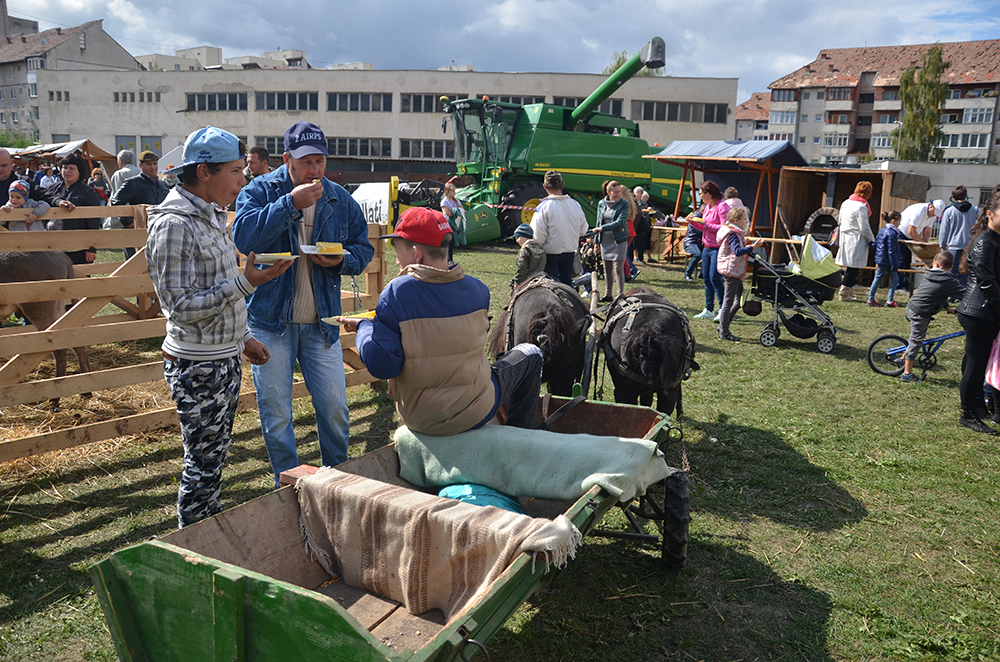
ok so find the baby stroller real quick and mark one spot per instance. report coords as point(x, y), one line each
point(797, 292)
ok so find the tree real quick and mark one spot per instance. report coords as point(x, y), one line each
point(923, 95)
point(14, 140)
point(618, 59)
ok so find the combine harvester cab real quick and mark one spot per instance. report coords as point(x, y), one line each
point(507, 148)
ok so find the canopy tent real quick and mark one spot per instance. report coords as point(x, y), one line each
point(52, 153)
point(744, 165)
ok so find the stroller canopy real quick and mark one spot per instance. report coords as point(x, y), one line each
point(817, 260)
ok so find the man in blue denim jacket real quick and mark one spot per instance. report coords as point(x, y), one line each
point(276, 213)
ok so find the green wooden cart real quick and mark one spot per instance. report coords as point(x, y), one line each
point(240, 586)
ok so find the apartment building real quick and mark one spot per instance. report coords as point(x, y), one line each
point(842, 106)
point(752, 117)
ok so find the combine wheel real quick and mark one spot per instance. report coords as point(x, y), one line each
point(769, 336)
point(528, 194)
point(676, 519)
point(826, 341)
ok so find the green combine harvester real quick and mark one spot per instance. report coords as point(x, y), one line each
point(507, 148)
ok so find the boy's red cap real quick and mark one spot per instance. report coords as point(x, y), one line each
point(421, 226)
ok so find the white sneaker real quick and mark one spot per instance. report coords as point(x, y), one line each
point(718, 316)
point(705, 314)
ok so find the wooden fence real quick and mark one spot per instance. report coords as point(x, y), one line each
point(28, 346)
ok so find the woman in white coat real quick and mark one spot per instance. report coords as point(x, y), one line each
point(854, 237)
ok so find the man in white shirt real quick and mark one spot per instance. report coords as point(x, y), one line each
point(916, 225)
point(558, 224)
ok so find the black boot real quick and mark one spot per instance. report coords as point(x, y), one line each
point(971, 420)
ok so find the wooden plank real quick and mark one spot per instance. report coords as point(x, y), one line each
point(367, 608)
point(229, 616)
point(74, 288)
point(47, 341)
point(117, 614)
point(70, 240)
point(88, 382)
point(403, 630)
point(353, 359)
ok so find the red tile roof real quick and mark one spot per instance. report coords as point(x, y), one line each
point(38, 44)
point(972, 63)
point(756, 108)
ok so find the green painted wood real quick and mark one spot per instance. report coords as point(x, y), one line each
point(173, 597)
point(229, 616)
point(128, 643)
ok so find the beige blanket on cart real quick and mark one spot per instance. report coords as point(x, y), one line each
point(419, 549)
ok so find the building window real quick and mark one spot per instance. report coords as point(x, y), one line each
point(66, 95)
point(131, 97)
point(609, 107)
point(977, 116)
point(954, 94)
point(363, 147)
point(839, 93)
point(177, 67)
point(948, 118)
point(519, 100)
point(715, 113)
point(968, 140)
point(422, 103)
point(142, 97)
point(818, 118)
point(835, 140)
point(805, 118)
point(781, 136)
point(815, 140)
point(359, 102)
point(426, 149)
point(866, 98)
point(802, 140)
point(287, 101)
point(888, 118)
point(273, 144)
point(83, 40)
point(819, 96)
point(881, 140)
point(13, 116)
point(60, 137)
point(221, 101)
point(864, 120)
point(782, 117)
point(52, 95)
point(35, 63)
point(157, 97)
point(116, 97)
point(33, 90)
point(3, 118)
point(34, 112)
point(805, 96)
point(782, 95)
point(890, 95)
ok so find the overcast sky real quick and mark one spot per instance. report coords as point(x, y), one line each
point(758, 42)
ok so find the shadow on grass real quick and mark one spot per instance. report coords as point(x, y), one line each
point(740, 472)
point(725, 605)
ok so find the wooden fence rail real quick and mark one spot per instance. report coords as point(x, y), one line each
point(115, 283)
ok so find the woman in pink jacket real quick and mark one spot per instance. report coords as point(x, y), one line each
point(713, 216)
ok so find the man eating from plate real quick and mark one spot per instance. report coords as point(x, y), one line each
point(279, 212)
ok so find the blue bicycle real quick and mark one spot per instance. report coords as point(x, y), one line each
point(885, 354)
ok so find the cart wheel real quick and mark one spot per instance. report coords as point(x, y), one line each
point(676, 519)
point(769, 336)
point(885, 355)
point(826, 341)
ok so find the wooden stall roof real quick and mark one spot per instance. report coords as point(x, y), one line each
point(743, 164)
point(53, 152)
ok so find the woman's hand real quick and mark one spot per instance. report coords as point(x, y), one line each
point(67, 205)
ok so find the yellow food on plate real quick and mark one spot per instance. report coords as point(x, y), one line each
point(333, 320)
point(276, 254)
point(329, 247)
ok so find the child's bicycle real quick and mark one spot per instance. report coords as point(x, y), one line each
point(885, 354)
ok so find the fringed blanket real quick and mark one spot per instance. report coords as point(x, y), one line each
point(419, 549)
point(531, 463)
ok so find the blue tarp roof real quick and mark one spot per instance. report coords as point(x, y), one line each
point(781, 152)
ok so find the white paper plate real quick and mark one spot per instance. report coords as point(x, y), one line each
point(310, 249)
point(271, 258)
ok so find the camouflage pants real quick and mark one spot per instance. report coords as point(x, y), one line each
point(206, 393)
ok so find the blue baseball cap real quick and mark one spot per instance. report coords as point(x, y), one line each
point(304, 138)
point(208, 145)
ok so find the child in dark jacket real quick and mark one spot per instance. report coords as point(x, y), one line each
point(939, 286)
point(887, 258)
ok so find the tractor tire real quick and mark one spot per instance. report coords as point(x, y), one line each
point(528, 194)
point(676, 519)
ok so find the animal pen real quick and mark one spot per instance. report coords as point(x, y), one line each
point(114, 283)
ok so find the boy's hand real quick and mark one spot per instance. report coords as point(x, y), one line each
point(6, 209)
point(258, 277)
point(349, 324)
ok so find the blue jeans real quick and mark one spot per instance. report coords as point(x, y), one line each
point(962, 278)
point(694, 250)
point(715, 286)
point(323, 370)
point(893, 282)
point(560, 267)
point(518, 375)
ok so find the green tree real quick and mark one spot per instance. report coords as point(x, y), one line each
point(14, 140)
point(923, 95)
point(618, 59)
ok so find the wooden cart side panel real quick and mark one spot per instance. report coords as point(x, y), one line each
point(118, 616)
point(186, 606)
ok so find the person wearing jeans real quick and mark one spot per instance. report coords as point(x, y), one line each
point(279, 212)
point(713, 217)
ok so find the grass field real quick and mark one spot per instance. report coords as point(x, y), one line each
point(837, 514)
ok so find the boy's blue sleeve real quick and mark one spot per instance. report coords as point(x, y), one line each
point(380, 344)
